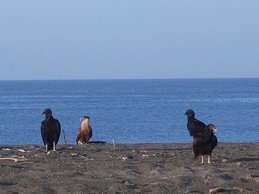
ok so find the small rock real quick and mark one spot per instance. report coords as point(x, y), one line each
point(238, 163)
point(224, 160)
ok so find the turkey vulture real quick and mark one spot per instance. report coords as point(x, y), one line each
point(204, 139)
point(204, 144)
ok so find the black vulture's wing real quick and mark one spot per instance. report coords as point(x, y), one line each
point(43, 132)
point(195, 127)
point(199, 123)
point(57, 130)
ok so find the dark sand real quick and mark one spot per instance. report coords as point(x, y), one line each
point(137, 168)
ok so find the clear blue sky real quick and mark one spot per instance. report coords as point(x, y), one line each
point(115, 39)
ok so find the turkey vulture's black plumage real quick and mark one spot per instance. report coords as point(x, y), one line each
point(204, 144)
point(204, 139)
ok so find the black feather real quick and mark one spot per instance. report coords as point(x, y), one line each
point(194, 126)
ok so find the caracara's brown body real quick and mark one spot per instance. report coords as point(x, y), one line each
point(84, 132)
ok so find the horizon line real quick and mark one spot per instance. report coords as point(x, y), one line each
point(96, 79)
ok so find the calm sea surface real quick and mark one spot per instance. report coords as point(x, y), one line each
point(131, 111)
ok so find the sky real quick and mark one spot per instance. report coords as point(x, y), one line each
point(128, 39)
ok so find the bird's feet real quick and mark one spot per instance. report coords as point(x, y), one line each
point(51, 151)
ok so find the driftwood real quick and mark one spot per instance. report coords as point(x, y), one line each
point(195, 162)
point(215, 190)
point(254, 177)
point(15, 158)
point(219, 189)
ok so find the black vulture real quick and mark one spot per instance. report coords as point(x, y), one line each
point(194, 126)
point(50, 130)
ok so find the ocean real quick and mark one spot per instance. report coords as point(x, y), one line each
point(130, 111)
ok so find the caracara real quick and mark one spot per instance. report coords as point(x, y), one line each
point(84, 132)
point(50, 130)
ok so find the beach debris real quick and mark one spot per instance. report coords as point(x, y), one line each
point(239, 189)
point(6, 149)
point(238, 163)
point(122, 158)
point(254, 177)
point(22, 150)
point(15, 158)
point(128, 184)
point(219, 189)
point(90, 159)
point(165, 178)
point(145, 156)
point(195, 162)
point(82, 157)
point(216, 190)
point(224, 160)
point(154, 183)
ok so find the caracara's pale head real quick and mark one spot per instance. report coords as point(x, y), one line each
point(85, 117)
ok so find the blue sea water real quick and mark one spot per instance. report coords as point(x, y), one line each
point(130, 111)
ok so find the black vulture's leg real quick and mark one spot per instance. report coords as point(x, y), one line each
point(209, 159)
point(202, 159)
point(54, 146)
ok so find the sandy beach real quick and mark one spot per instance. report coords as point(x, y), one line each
point(128, 168)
